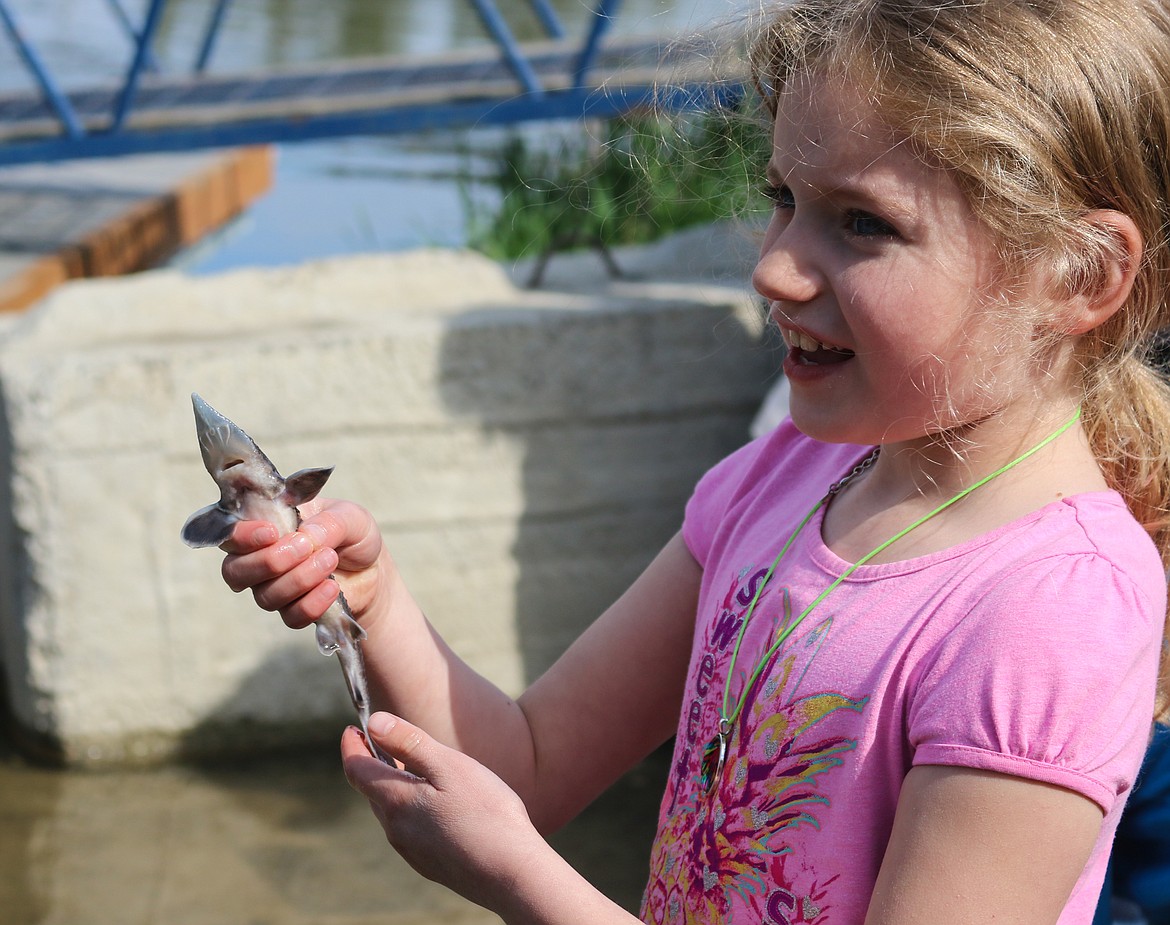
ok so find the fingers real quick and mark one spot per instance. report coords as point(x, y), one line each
point(290, 574)
point(441, 810)
point(250, 535)
point(385, 786)
point(293, 574)
point(342, 525)
point(348, 528)
point(419, 754)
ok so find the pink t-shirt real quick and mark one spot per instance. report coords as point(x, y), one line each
point(1030, 651)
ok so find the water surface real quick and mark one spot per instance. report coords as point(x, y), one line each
point(276, 841)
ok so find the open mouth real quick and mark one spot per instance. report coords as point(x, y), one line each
point(807, 350)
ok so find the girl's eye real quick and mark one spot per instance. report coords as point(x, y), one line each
point(857, 223)
point(780, 196)
point(864, 225)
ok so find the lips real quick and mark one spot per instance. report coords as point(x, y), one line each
point(805, 349)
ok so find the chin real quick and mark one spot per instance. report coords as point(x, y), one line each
point(832, 428)
point(867, 425)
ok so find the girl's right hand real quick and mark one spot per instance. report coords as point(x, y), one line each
point(298, 574)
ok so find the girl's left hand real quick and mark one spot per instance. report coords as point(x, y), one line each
point(451, 819)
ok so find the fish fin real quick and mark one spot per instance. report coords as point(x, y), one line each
point(304, 485)
point(208, 526)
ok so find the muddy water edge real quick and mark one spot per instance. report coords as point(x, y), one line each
point(281, 840)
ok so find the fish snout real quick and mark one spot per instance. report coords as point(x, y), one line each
point(223, 444)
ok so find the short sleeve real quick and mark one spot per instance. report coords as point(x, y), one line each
point(784, 466)
point(709, 501)
point(1048, 675)
point(717, 491)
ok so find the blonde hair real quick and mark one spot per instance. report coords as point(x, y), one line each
point(1045, 111)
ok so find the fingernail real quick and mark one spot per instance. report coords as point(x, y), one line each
point(265, 536)
point(315, 532)
point(380, 724)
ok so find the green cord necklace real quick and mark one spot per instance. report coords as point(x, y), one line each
point(715, 752)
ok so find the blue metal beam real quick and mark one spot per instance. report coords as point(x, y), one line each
point(574, 104)
point(498, 28)
point(603, 16)
point(131, 30)
point(548, 18)
point(53, 93)
point(537, 102)
point(141, 53)
point(214, 24)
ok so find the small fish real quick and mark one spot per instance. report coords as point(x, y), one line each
point(252, 489)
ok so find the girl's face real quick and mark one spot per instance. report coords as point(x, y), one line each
point(880, 276)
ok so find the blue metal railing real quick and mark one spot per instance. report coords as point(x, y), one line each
point(53, 93)
point(498, 29)
point(131, 30)
point(551, 81)
point(207, 46)
point(139, 64)
point(603, 17)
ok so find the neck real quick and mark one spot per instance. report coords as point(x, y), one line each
point(912, 478)
point(938, 465)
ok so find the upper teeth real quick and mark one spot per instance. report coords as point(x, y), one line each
point(804, 342)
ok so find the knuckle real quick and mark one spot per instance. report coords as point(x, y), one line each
point(294, 619)
point(325, 560)
point(268, 598)
point(411, 743)
point(228, 572)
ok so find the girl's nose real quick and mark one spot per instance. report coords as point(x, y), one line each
point(786, 271)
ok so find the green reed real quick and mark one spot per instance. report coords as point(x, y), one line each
point(628, 181)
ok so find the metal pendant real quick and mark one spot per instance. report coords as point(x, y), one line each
point(711, 767)
point(714, 757)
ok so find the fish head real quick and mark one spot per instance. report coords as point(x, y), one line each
point(231, 457)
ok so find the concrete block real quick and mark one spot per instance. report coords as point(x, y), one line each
point(525, 453)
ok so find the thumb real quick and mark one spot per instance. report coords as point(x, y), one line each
point(416, 751)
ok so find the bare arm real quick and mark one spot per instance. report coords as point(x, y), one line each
point(974, 847)
point(605, 704)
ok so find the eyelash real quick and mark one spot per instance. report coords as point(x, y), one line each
point(778, 195)
point(781, 198)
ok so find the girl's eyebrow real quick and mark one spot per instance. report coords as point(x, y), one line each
point(851, 187)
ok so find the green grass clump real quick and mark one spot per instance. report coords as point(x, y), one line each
point(644, 177)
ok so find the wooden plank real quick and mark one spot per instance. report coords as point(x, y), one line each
point(148, 231)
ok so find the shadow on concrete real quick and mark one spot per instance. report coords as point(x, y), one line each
point(17, 591)
point(618, 408)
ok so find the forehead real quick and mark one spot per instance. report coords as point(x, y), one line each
point(815, 112)
point(829, 136)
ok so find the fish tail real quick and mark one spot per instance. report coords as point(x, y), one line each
point(354, 670)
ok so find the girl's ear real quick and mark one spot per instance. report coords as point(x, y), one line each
point(1097, 295)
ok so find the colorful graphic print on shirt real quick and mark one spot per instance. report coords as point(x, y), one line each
point(733, 854)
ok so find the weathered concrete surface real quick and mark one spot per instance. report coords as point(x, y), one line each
point(525, 454)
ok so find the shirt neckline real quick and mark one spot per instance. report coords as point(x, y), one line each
point(833, 564)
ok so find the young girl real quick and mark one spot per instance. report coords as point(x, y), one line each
point(909, 642)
